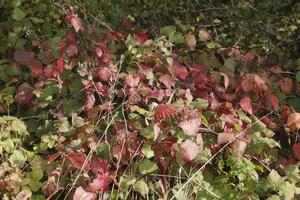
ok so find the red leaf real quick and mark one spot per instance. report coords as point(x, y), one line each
point(141, 37)
point(167, 80)
point(52, 157)
point(76, 158)
point(99, 165)
point(23, 57)
point(245, 104)
point(121, 152)
point(296, 150)
point(81, 194)
point(163, 112)
point(225, 137)
point(36, 68)
point(99, 52)
point(189, 150)
point(100, 183)
point(286, 85)
point(60, 64)
point(24, 94)
point(89, 100)
point(71, 50)
point(132, 81)
point(272, 101)
point(76, 22)
point(179, 70)
point(50, 71)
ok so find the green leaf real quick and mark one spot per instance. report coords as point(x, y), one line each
point(8, 145)
point(18, 14)
point(200, 103)
point(147, 151)
point(212, 45)
point(148, 132)
point(147, 166)
point(17, 158)
point(167, 30)
point(141, 187)
point(34, 185)
point(36, 174)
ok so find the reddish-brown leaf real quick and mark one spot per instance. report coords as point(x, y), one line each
point(76, 158)
point(296, 150)
point(36, 68)
point(189, 150)
point(272, 101)
point(163, 112)
point(179, 70)
point(167, 80)
point(286, 85)
point(24, 94)
point(76, 22)
point(99, 165)
point(245, 104)
point(52, 157)
point(71, 50)
point(23, 57)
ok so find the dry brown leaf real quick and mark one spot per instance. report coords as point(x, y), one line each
point(190, 41)
point(293, 121)
point(204, 36)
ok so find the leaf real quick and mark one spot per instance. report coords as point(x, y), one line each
point(147, 151)
point(296, 150)
point(100, 183)
point(8, 145)
point(190, 41)
point(36, 68)
point(81, 194)
point(239, 147)
point(189, 150)
point(24, 57)
point(89, 100)
point(298, 76)
point(167, 80)
point(213, 45)
point(245, 104)
point(147, 167)
point(190, 126)
point(18, 14)
point(272, 101)
point(71, 50)
point(24, 94)
point(286, 85)
point(225, 137)
point(167, 30)
point(293, 121)
point(17, 158)
point(36, 174)
point(226, 80)
point(141, 187)
point(76, 158)
point(131, 81)
point(163, 112)
point(200, 103)
point(99, 165)
point(76, 22)
point(203, 35)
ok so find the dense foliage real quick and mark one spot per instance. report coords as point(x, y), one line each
point(135, 99)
